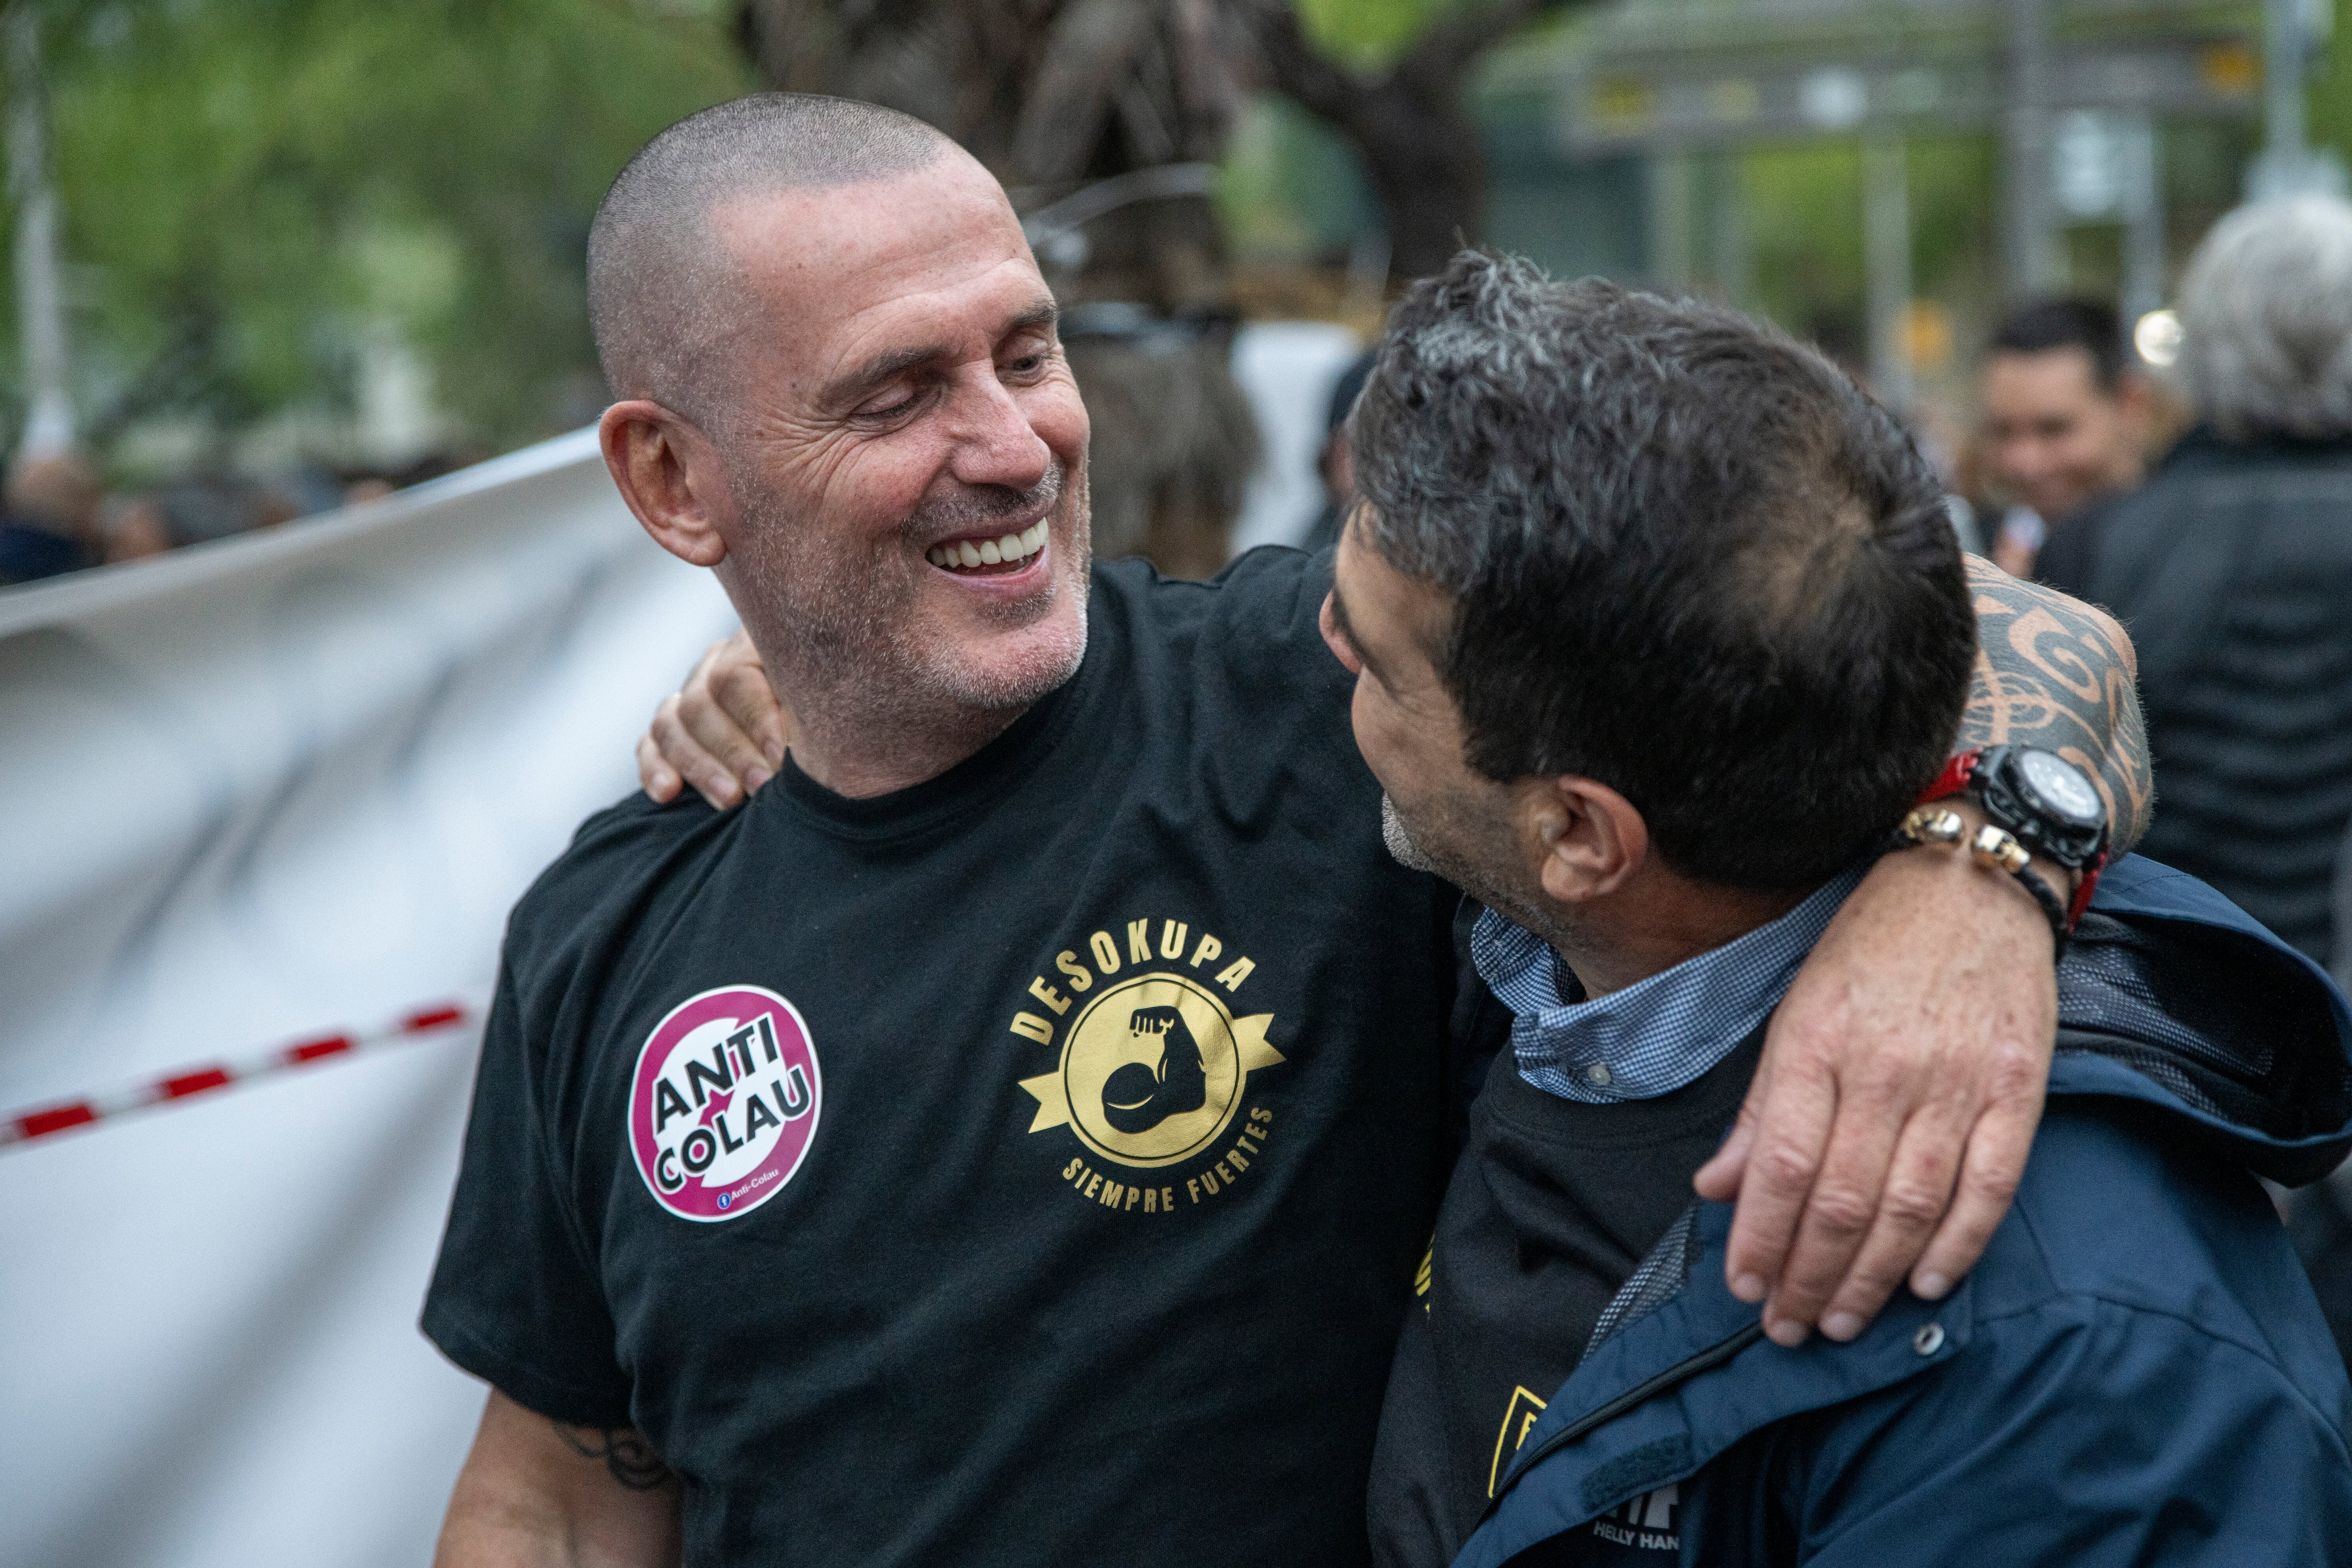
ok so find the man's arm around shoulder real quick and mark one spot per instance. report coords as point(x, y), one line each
point(535, 1493)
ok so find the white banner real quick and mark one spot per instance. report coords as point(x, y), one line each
point(281, 786)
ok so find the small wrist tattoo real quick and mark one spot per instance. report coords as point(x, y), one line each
point(629, 1458)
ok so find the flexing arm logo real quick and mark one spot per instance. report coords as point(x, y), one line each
point(1138, 1097)
point(725, 1103)
point(1153, 1064)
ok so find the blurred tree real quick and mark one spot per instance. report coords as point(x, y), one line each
point(1392, 76)
point(260, 195)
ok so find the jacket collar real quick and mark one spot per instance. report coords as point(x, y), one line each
point(1703, 1337)
point(1632, 1418)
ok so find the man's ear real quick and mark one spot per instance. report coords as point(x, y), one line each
point(671, 477)
point(1587, 839)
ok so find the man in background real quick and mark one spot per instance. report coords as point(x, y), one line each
point(2233, 568)
point(2066, 419)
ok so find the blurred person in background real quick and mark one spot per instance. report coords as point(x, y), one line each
point(2233, 566)
point(51, 524)
point(136, 527)
point(1338, 462)
point(2065, 421)
point(196, 511)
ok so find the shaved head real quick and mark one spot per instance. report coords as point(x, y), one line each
point(662, 291)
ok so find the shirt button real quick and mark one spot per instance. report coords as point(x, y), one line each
point(1598, 1076)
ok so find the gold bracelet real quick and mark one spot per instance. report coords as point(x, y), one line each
point(1995, 848)
point(1933, 824)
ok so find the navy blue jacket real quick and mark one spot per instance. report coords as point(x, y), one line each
point(2135, 1372)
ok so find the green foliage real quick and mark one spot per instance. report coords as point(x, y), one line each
point(1290, 190)
point(251, 189)
point(2329, 101)
point(1804, 201)
point(1371, 34)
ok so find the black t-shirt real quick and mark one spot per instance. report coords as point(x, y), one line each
point(1026, 1167)
point(1552, 1206)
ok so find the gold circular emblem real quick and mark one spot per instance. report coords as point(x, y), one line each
point(1152, 1070)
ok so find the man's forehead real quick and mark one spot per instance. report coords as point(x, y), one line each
point(840, 279)
point(1375, 601)
point(829, 238)
point(2067, 371)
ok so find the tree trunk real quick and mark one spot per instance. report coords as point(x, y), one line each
point(1421, 148)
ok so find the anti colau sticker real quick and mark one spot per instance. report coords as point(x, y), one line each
point(725, 1103)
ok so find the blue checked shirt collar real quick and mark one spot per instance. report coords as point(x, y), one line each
point(1654, 1037)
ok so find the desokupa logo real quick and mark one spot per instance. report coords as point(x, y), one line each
point(725, 1103)
point(1153, 1065)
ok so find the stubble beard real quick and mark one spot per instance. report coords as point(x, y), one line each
point(855, 658)
point(1399, 839)
point(1548, 921)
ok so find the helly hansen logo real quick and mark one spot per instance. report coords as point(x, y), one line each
point(1646, 1522)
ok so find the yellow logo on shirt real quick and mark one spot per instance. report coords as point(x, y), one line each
point(1154, 1062)
point(1518, 1420)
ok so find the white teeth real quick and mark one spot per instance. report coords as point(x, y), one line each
point(992, 552)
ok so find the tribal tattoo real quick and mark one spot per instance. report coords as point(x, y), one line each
point(2055, 673)
point(626, 1454)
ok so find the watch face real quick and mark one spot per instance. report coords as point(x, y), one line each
point(2061, 786)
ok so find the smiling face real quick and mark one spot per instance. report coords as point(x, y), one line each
point(904, 445)
point(2053, 437)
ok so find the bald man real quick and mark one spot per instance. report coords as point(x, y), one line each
point(1009, 1136)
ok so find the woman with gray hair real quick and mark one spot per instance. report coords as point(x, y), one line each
point(2232, 566)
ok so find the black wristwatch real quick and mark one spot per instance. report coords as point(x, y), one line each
point(2046, 801)
point(2038, 804)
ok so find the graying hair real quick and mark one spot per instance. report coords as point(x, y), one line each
point(2266, 319)
point(660, 294)
point(1687, 557)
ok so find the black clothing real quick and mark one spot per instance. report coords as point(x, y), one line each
point(2064, 561)
point(29, 552)
point(2231, 568)
point(1025, 1167)
point(1552, 1205)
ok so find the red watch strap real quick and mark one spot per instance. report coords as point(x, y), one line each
point(2082, 891)
point(1954, 779)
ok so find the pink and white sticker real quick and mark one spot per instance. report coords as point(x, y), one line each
point(725, 1103)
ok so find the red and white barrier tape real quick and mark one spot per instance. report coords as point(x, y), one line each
point(61, 1116)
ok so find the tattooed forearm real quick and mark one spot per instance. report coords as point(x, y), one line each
point(626, 1454)
point(2055, 673)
